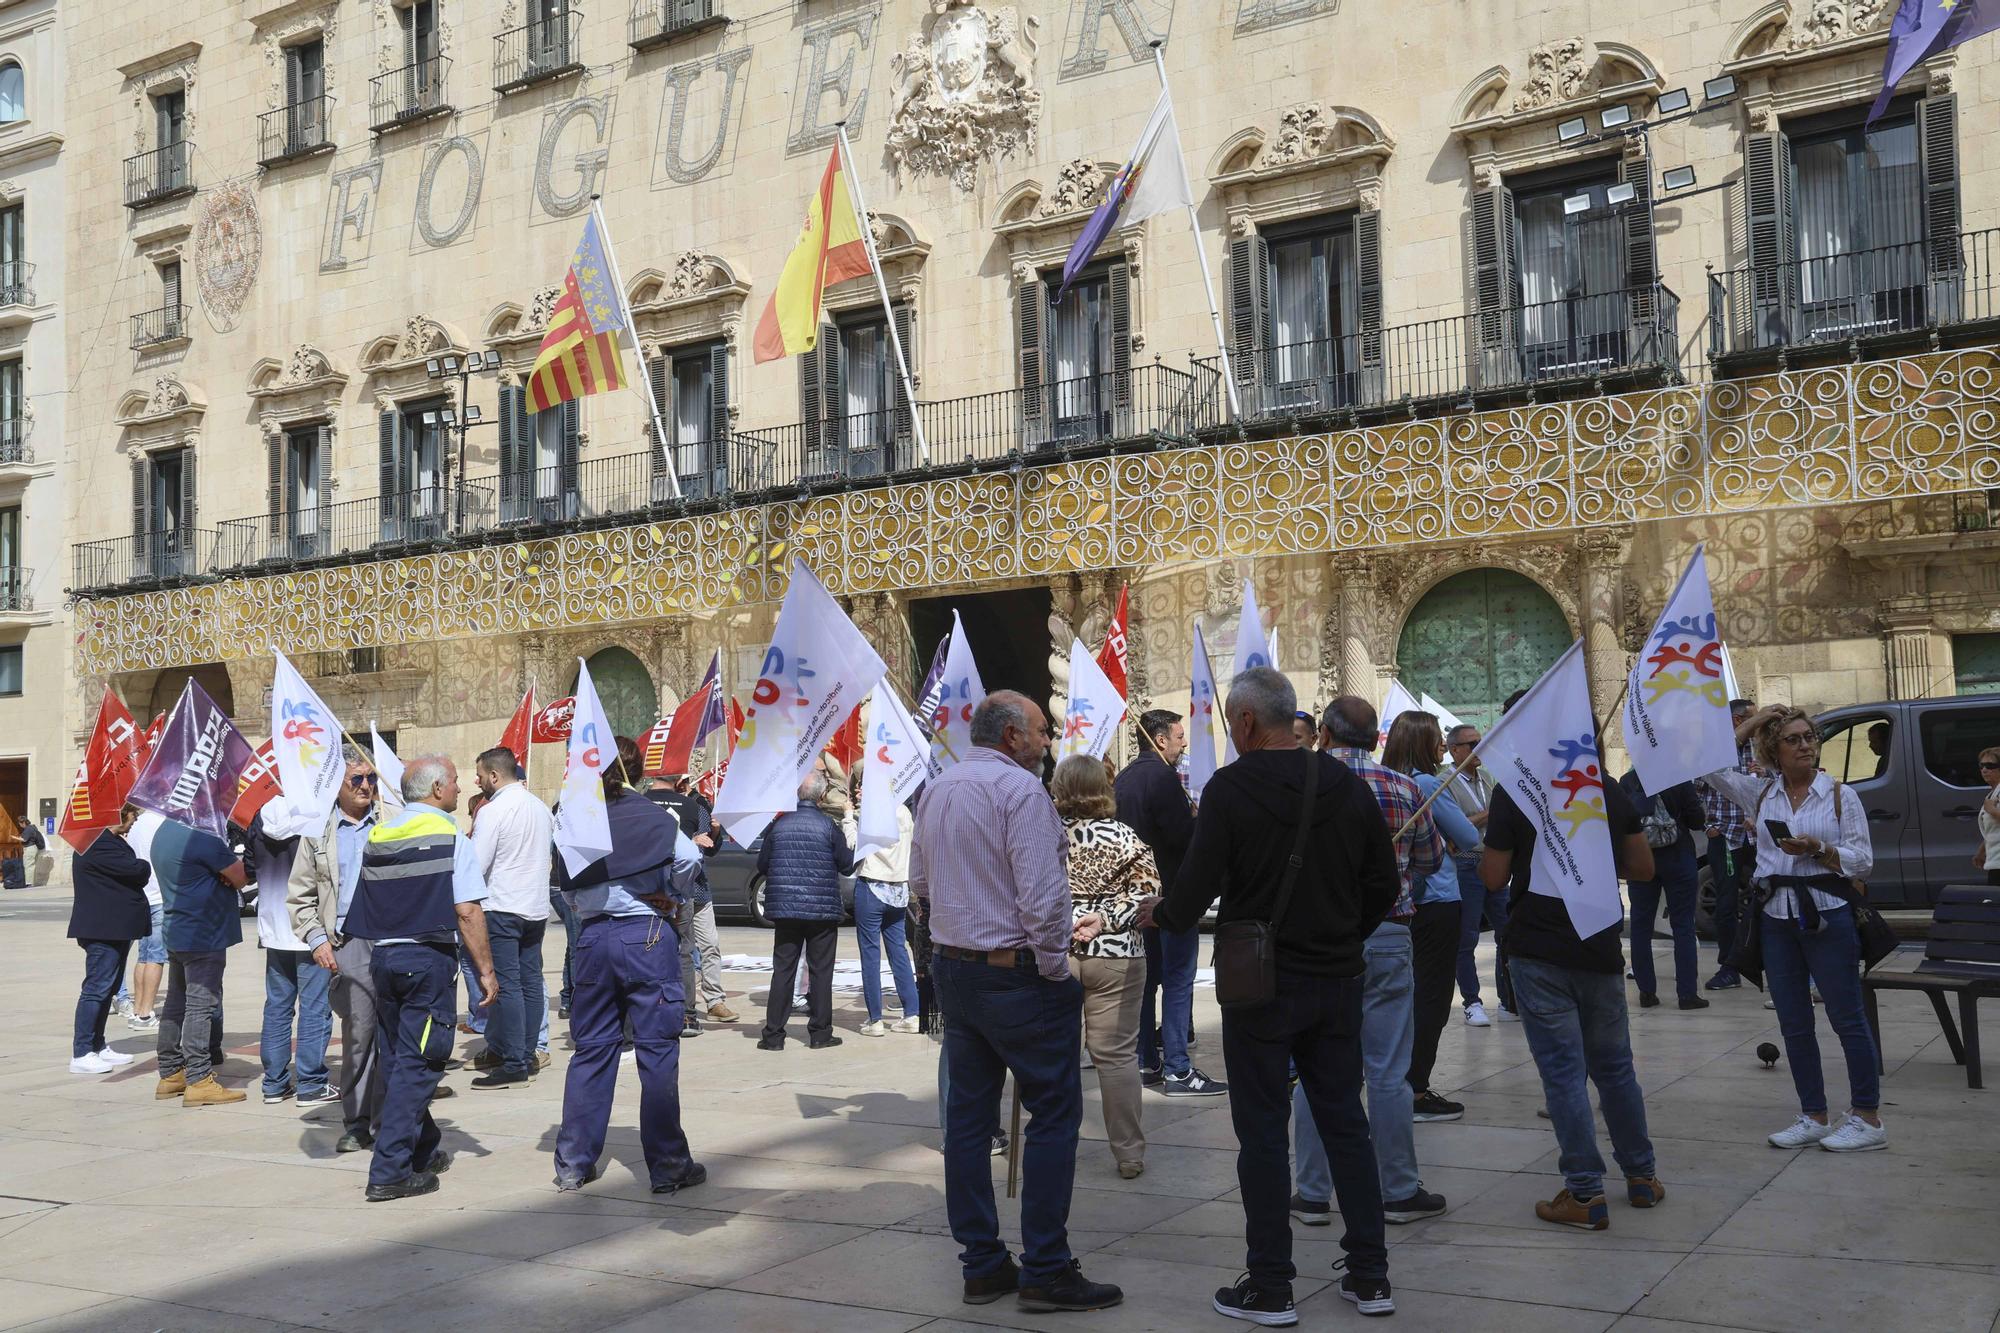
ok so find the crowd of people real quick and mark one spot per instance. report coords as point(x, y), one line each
point(1041, 927)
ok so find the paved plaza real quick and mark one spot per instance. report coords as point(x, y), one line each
point(824, 1208)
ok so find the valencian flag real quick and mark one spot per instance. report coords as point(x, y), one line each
point(255, 788)
point(110, 766)
point(1922, 29)
point(1111, 657)
point(831, 249)
point(1153, 181)
point(1677, 724)
point(580, 353)
point(192, 776)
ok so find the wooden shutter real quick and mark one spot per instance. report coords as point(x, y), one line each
point(190, 516)
point(324, 450)
point(1031, 304)
point(1641, 260)
point(1118, 291)
point(292, 82)
point(1767, 194)
point(142, 517)
point(1367, 336)
point(718, 417)
point(570, 454)
point(170, 290)
point(1496, 266)
point(832, 398)
point(809, 431)
point(514, 453)
point(660, 374)
point(388, 426)
point(905, 313)
point(1937, 142)
point(1249, 306)
point(276, 447)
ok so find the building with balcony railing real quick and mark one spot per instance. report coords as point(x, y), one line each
point(299, 129)
point(160, 174)
point(1502, 327)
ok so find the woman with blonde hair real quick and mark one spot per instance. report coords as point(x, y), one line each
point(1110, 870)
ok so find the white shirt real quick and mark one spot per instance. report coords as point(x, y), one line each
point(513, 836)
point(141, 841)
point(1762, 798)
point(891, 865)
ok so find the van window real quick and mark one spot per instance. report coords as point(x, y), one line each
point(1952, 739)
point(1856, 749)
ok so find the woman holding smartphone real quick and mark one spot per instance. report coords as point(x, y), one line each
point(1813, 849)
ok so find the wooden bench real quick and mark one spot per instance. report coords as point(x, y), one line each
point(1962, 958)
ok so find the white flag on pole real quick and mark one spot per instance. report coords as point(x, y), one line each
point(1544, 752)
point(1677, 723)
point(896, 760)
point(1159, 167)
point(1729, 681)
point(1395, 703)
point(816, 671)
point(959, 692)
point(388, 767)
point(305, 745)
point(1446, 718)
point(1095, 707)
point(1252, 648)
point(583, 825)
point(1201, 719)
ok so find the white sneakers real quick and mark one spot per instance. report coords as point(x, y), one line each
point(114, 1058)
point(90, 1064)
point(907, 1024)
point(1850, 1135)
point(1475, 1016)
point(881, 1029)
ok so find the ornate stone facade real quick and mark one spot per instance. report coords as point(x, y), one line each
point(964, 91)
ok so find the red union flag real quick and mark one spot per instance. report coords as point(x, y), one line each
point(111, 763)
point(255, 788)
point(552, 723)
point(670, 742)
point(1111, 657)
point(515, 738)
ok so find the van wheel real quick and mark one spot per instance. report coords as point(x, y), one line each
point(757, 904)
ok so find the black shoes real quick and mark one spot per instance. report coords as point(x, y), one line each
point(690, 1027)
point(770, 1043)
point(990, 1288)
point(1416, 1208)
point(1724, 980)
point(823, 1042)
point(1313, 1214)
point(1000, 1144)
point(570, 1183)
point(1257, 1305)
point(501, 1078)
point(423, 1182)
point(1194, 1083)
point(1070, 1290)
point(1429, 1106)
point(1151, 1076)
point(1369, 1294)
point(1649, 999)
point(355, 1140)
point(1693, 1002)
point(694, 1175)
point(439, 1164)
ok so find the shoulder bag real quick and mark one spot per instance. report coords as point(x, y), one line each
point(1246, 952)
point(1877, 936)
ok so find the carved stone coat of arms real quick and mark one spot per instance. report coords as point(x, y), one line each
point(964, 91)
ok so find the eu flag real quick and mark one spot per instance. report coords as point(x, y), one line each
point(1923, 28)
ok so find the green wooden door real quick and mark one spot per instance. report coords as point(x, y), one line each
point(1477, 637)
point(626, 690)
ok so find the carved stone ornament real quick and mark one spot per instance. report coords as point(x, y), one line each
point(694, 273)
point(228, 246)
point(168, 396)
point(964, 91)
point(543, 309)
point(423, 336)
point(307, 365)
point(1817, 23)
point(1557, 72)
point(1079, 186)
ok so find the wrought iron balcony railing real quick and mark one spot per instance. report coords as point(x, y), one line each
point(159, 174)
point(17, 283)
point(14, 440)
point(1444, 364)
point(410, 94)
point(164, 325)
point(146, 557)
point(539, 51)
point(656, 22)
point(300, 129)
point(16, 588)
point(328, 531)
point(1853, 298)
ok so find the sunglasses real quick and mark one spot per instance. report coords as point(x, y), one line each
point(1799, 738)
point(360, 780)
point(1985, 764)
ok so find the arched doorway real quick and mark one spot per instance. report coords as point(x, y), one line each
point(213, 678)
point(1477, 637)
point(625, 688)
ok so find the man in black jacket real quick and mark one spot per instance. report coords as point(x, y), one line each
point(1243, 840)
point(109, 913)
point(1153, 802)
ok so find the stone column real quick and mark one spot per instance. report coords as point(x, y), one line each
point(1355, 597)
point(1906, 645)
point(1602, 553)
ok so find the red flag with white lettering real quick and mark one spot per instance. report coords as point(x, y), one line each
point(111, 764)
point(255, 787)
point(1111, 657)
point(670, 742)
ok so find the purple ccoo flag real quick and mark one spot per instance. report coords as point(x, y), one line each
point(1925, 27)
point(713, 716)
point(193, 775)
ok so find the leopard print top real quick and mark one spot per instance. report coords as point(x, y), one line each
point(1110, 870)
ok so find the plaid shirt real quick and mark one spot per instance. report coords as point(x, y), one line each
point(1419, 851)
point(1724, 813)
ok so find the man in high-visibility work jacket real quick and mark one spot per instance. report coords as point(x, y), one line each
point(420, 892)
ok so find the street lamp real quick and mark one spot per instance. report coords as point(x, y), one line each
point(467, 415)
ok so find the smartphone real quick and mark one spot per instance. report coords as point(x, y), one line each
point(1779, 829)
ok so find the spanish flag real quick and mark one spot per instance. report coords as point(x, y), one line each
point(830, 249)
point(579, 354)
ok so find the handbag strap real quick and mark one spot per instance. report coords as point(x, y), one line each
point(1298, 858)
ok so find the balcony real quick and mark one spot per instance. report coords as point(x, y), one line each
point(143, 559)
point(1582, 344)
point(14, 449)
point(657, 22)
point(1867, 300)
point(17, 292)
point(16, 591)
point(538, 52)
point(408, 95)
point(301, 129)
point(152, 328)
point(336, 531)
point(159, 174)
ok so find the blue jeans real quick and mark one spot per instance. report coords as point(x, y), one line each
point(560, 902)
point(103, 964)
point(1315, 1024)
point(474, 1012)
point(293, 982)
point(1680, 894)
point(1477, 902)
point(413, 986)
point(1830, 959)
point(875, 922)
point(1388, 1033)
point(1000, 1020)
point(517, 963)
point(1577, 1028)
point(1170, 966)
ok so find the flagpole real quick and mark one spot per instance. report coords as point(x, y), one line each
point(853, 179)
point(645, 375)
point(1201, 254)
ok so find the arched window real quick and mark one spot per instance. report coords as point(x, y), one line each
point(1477, 637)
point(13, 94)
point(625, 688)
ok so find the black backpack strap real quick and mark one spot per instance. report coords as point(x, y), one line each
point(1298, 858)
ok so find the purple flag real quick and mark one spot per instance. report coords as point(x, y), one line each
point(1152, 181)
point(1923, 28)
point(713, 716)
point(932, 693)
point(194, 770)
